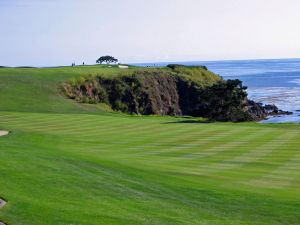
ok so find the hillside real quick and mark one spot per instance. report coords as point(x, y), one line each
point(66, 162)
point(37, 89)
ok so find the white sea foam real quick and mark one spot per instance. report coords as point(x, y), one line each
point(285, 98)
point(296, 81)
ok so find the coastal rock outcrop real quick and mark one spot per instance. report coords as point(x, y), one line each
point(175, 91)
point(260, 111)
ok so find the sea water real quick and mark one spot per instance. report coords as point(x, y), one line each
point(275, 81)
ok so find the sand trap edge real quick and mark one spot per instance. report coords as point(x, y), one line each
point(2, 203)
point(3, 133)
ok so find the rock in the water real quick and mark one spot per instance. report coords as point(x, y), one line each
point(259, 111)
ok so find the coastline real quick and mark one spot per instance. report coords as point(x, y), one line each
point(294, 118)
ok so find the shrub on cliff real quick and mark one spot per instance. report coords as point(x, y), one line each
point(86, 89)
point(200, 75)
point(175, 66)
point(224, 101)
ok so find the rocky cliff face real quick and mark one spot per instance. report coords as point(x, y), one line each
point(160, 95)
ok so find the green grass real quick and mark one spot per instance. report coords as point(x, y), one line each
point(36, 90)
point(66, 163)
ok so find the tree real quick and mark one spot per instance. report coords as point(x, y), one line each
point(108, 59)
point(224, 101)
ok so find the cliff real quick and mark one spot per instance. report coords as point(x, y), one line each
point(176, 90)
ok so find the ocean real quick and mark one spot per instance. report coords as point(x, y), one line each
point(274, 81)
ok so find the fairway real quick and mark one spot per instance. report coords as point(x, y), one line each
point(64, 163)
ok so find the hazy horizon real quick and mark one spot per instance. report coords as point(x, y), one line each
point(53, 33)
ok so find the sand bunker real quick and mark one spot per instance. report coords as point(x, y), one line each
point(2, 203)
point(3, 133)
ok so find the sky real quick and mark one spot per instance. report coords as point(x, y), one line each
point(59, 32)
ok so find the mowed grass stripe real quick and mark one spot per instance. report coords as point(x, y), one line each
point(254, 165)
point(71, 127)
point(209, 156)
point(259, 154)
point(217, 145)
point(285, 169)
point(248, 154)
point(165, 146)
point(140, 144)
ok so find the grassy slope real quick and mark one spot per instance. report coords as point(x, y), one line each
point(36, 90)
point(63, 164)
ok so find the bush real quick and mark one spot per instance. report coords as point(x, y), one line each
point(224, 101)
point(176, 66)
